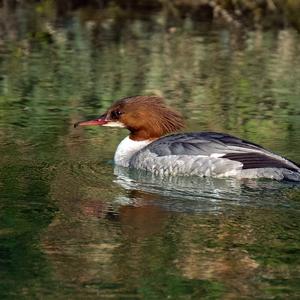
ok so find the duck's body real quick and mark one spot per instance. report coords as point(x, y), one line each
point(199, 153)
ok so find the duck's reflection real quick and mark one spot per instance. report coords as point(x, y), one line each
point(136, 218)
point(195, 194)
point(175, 229)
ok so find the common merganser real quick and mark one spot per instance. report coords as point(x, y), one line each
point(149, 147)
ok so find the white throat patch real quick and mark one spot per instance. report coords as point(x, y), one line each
point(114, 124)
point(126, 149)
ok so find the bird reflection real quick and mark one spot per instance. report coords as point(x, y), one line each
point(194, 194)
point(197, 227)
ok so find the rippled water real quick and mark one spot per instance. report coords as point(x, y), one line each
point(73, 226)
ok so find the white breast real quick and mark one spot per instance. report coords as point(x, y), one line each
point(126, 149)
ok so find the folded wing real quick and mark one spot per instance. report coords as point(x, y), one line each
point(212, 144)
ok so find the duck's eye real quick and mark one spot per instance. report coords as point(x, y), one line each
point(115, 114)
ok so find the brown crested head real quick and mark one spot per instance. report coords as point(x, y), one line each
point(146, 117)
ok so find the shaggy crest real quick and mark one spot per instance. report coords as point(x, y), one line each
point(147, 117)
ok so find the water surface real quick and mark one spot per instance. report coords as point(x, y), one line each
point(74, 226)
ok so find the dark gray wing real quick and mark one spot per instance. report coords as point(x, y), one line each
point(200, 143)
point(259, 160)
point(222, 145)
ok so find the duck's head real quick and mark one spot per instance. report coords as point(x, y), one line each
point(146, 117)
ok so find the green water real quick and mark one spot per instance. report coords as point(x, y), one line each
point(74, 227)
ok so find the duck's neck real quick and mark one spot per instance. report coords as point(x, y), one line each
point(126, 149)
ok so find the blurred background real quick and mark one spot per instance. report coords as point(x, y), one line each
point(74, 226)
point(254, 14)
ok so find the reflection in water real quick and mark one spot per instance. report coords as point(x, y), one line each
point(200, 194)
point(167, 237)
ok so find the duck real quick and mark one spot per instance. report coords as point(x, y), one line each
point(155, 144)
